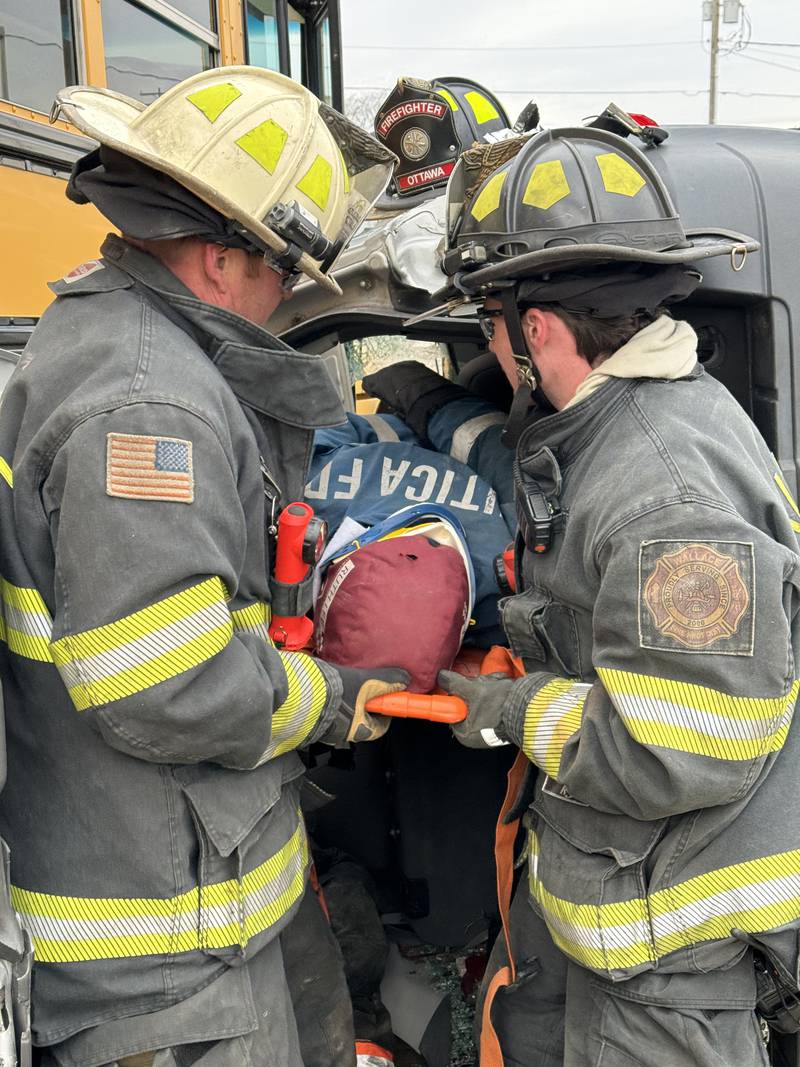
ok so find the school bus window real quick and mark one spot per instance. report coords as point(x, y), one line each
point(262, 34)
point(37, 51)
point(199, 10)
point(147, 53)
point(297, 46)
point(323, 33)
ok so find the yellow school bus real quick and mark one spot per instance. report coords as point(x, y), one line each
point(136, 47)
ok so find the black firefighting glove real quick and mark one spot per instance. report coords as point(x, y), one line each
point(414, 392)
point(488, 698)
point(352, 721)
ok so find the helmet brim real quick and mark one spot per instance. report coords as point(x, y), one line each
point(703, 244)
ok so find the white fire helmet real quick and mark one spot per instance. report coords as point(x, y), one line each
point(257, 147)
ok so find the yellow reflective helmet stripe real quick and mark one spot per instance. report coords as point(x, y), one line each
point(488, 200)
point(264, 143)
point(316, 182)
point(697, 719)
point(547, 185)
point(68, 929)
point(755, 895)
point(618, 175)
point(551, 718)
point(145, 648)
point(483, 109)
point(214, 100)
point(451, 100)
point(6, 473)
point(25, 626)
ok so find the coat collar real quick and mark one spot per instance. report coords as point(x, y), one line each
point(566, 433)
point(264, 373)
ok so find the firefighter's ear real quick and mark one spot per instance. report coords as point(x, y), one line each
point(216, 263)
point(535, 328)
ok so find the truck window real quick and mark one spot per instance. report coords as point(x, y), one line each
point(146, 54)
point(369, 354)
point(37, 51)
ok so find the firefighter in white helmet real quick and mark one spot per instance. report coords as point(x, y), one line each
point(151, 434)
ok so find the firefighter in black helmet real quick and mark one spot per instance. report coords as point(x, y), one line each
point(428, 124)
point(656, 617)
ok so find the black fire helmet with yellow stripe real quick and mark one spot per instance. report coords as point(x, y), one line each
point(428, 124)
point(564, 200)
point(574, 217)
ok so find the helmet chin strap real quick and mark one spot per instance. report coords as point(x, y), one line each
point(526, 369)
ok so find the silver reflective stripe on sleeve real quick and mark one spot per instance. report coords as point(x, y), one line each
point(383, 431)
point(468, 433)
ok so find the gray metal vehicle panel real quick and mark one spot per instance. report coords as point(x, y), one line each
point(734, 177)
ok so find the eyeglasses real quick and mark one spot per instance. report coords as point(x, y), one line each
point(485, 316)
point(289, 277)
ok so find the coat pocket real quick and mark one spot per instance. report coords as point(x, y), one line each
point(547, 634)
point(252, 853)
point(587, 880)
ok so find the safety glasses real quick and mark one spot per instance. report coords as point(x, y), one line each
point(289, 277)
point(485, 321)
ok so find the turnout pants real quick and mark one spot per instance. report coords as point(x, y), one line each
point(558, 1014)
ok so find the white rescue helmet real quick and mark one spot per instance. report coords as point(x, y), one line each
point(261, 149)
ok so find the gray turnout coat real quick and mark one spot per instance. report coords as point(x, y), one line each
point(152, 797)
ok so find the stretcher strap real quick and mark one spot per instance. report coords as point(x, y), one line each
point(491, 1053)
point(496, 660)
point(505, 836)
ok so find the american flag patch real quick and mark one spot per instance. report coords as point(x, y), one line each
point(149, 468)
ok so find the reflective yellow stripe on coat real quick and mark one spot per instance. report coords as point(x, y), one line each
point(551, 718)
point(697, 719)
point(25, 625)
point(295, 718)
point(160, 642)
point(756, 895)
point(224, 914)
point(147, 647)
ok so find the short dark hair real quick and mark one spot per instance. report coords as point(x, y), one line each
point(597, 338)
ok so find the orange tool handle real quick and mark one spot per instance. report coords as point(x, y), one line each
point(438, 707)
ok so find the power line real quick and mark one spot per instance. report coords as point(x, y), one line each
point(500, 48)
point(741, 92)
point(598, 92)
point(556, 92)
point(768, 62)
point(778, 44)
point(764, 52)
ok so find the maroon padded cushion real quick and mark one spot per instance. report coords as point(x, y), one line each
point(395, 603)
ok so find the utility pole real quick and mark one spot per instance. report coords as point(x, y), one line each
point(713, 70)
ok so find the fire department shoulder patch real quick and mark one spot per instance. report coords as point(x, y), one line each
point(696, 596)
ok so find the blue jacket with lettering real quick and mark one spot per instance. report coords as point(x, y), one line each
point(373, 465)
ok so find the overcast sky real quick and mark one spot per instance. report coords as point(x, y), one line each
point(573, 56)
